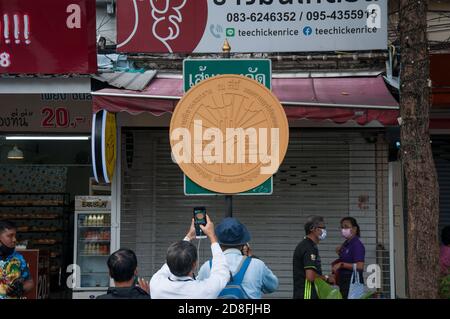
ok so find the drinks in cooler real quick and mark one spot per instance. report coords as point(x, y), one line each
point(92, 243)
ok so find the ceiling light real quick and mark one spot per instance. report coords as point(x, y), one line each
point(47, 138)
point(15, 153)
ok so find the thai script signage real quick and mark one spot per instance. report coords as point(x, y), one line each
point(251, 25)
point(50, 113)
point(195, 71)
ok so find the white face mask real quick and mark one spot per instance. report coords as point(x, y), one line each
point(323, 235)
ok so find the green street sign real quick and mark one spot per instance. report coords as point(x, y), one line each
point(195, 71)
point(192, 189)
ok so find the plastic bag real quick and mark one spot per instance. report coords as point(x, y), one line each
point(357, 290)
point(325, 291)
point(444, 287)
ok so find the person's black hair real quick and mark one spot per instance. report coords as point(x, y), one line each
point(6, 225)
point(122, 264)
point(354, 224)
point(180, 258)
point(445, 235)
point(312, 222)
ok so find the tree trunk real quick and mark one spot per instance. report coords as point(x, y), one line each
point(420, 172)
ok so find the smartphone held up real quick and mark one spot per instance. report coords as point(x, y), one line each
point(199, 219)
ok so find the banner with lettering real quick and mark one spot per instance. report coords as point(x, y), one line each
point(201, 26)
point(49, 113)
point(47, 36)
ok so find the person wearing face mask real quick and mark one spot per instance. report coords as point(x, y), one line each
point(351, 252)
point(306, 261)
point(15, 278)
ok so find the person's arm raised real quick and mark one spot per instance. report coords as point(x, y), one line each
point(208, 230)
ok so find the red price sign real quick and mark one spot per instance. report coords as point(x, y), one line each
point(59, 117)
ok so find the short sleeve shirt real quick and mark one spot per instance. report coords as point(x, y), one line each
point(306, 256)
point(352, 251)
point(12, 268)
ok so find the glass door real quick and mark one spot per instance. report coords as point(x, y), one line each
point(93, 247)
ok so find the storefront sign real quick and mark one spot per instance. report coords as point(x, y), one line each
point(104, 146)
point(47, 36)
point(229, 134)
point(195, 71)
point(251, 25)
point(49, 113)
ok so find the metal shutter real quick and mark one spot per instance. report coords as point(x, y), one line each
point(329, 173)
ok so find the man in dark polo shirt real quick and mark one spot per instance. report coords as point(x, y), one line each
point(122, 266)
point(306, 262)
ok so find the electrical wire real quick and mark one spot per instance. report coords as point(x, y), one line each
point(198, 255)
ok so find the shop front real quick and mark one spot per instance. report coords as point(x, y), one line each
point(44, 163)
point(336, 166)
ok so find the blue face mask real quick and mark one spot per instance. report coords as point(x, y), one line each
point(323, 235)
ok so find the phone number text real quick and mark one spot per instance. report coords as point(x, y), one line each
point(294, 16)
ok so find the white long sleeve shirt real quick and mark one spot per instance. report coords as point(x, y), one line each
point(165, 285)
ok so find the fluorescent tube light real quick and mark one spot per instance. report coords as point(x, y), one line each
point(47, 138)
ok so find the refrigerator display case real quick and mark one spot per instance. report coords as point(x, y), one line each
point(92, 245)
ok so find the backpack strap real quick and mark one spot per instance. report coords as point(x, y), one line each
point(239, 276)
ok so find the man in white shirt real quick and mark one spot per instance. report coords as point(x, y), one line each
point(258, 279)
point(176, 279)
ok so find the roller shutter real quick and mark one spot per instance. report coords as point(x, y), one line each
point(332, 173)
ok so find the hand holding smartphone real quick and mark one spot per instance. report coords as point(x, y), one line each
point(199, 219)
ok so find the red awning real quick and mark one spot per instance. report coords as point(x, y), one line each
point(361, 99)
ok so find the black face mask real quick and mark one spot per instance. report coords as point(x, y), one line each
point(5, 251)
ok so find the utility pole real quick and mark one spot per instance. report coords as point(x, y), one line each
point(416, 154)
